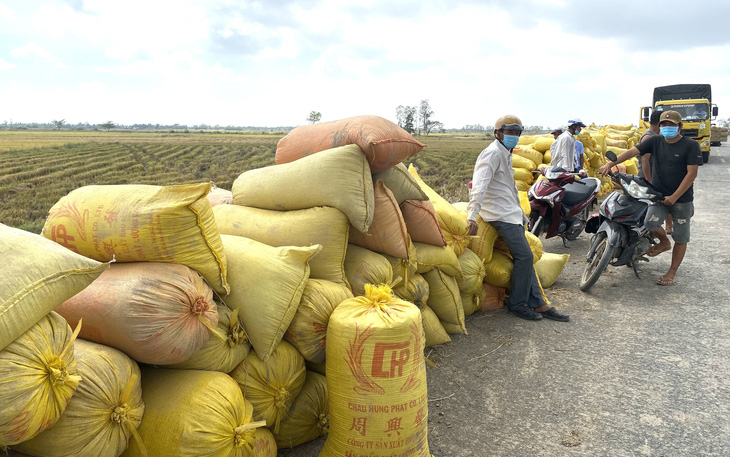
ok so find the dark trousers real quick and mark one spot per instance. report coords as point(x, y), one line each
point(524, 288)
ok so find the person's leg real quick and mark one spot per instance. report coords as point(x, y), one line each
point(655, 216)
point(682, 214)
point(668, 225)
point(513, 236)
point(677, 256)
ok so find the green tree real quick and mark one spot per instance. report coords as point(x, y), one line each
point(108, 125)
point(425, 113)
point(314, 117)
point(58, 124)
point(406, 116)
point(724, 122)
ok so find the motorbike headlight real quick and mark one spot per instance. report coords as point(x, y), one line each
point(636, 190)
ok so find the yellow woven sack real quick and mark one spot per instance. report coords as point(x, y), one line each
point(483, 243)
point(598, 160)
point(441, 257)
point(400, 182)
point(470, 286)
point(364, 266)
point(103, 414)
point(451, 222)
point(522, 186)
point(139, 223)
point(308, 417)
point(403, 268)
point(499, 270)
point(522, 162)
point(532, 240)
point(433, 329)
point(549, 267)
point(38, 377)
point(547, 157)
point(523, 174)
point(618, 126)
point(191, 413)
point(529, 153)
point(271, 386)
point(527, 139)
point(308, 330)
point(543, 143)
point(156, 313)
point(613, 143)
point(600, 142)
point(414, 291)
point(525, 203)
point(322, 225)
point(376, 378)
point(37, 275)
point(632, 166)
point(444, 298)
point(266, 286)
point(221, 354)
point(338, 177)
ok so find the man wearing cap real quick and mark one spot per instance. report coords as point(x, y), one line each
point(673, 163)
point(494, 198)
point(563, 149)
point(651, 132)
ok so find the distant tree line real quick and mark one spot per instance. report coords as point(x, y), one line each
point(418, 119)
point(108, 125)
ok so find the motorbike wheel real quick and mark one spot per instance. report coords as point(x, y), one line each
point(596, 264)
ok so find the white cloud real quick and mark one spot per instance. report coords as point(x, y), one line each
point(271, 63)
point(4, 65)
point(32, 50)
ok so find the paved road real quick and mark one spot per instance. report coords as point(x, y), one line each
point(641, 370)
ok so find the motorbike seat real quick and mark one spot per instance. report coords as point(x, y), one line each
point(578, 191)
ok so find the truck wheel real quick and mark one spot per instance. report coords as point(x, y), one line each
point(705, 156)
point(602, 255)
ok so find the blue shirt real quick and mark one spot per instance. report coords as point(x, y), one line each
point(579, 150)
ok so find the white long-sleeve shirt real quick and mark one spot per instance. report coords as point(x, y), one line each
point(494, 194)
point(563, 151)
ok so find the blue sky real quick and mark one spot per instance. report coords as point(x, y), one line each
point(269, 63)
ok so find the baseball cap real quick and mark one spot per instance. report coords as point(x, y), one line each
point(671, 116)
point(576, 120)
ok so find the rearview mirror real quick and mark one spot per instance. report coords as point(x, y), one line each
point(610, 155)
point(714, 111)
point(645, 112)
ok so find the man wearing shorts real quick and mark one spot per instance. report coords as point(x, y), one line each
point(673, 161)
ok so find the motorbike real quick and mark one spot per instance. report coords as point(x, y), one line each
point(559, 204)
point(619, 234)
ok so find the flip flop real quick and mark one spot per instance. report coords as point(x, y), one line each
point(664, 281)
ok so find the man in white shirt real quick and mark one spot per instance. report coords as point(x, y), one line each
point(494, 197)
point(563, 149)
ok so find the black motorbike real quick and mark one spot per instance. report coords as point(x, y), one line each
point(619, 234)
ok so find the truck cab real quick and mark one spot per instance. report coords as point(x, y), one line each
point(694, 103)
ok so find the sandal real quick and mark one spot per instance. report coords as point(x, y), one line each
point(664, 281)
point(525, 312)
point(555, 315)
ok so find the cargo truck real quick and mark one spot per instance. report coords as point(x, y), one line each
point(694, 104)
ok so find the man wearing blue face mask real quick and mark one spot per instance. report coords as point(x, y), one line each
point(494, 198)
point(673, 164)
point(563, 150)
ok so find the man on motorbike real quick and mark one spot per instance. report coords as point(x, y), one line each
point(494, 197)
point(673, 163)
point(563, 149)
